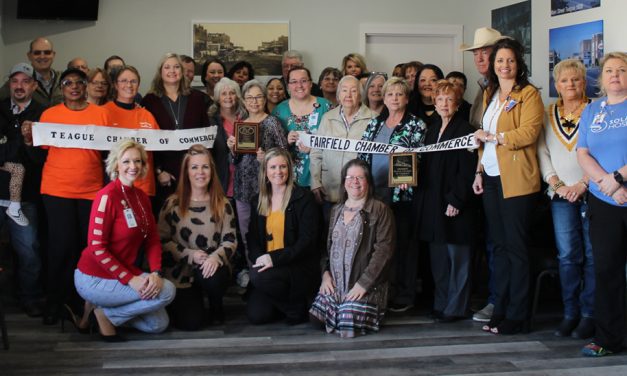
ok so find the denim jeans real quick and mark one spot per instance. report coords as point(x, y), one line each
point(121, 304)
point(576, 264)
point(26, 246)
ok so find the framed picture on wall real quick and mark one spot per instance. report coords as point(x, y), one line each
point(259, 43)
point(515, 21)
point(559, 7)
point(581, 41)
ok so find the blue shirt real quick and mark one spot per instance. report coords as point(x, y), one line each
point(603, 131)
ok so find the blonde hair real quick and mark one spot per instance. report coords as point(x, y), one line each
point(116, 153)
point(610, 55)
point(357, 59)
point(396, 81)
point(265, 188)
point(564, 65)
point(157, 86)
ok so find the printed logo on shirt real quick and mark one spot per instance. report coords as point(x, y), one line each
point(145, 124)
point(611, 124)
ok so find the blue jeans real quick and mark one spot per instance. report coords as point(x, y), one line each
point(576, 264)
point(26, 246)
point(121, 304)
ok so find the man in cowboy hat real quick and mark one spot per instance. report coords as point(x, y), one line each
point(481, 49)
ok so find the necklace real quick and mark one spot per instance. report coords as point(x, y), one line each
point(143, 225)
point(572, 119)
point(178, 111)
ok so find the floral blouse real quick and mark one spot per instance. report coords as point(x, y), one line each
point(246, 165)
point(308, 123)
point(409, 133)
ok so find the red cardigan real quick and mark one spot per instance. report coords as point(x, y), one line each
point(112, 247)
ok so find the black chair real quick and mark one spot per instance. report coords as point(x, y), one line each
point(544, 268)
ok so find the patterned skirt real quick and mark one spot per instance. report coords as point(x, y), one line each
point(348, 317)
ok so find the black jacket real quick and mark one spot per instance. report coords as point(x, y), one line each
point(220, 152)
point(14, 150)
point(301, 254)
point(446, 177)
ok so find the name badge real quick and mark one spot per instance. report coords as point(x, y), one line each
point(598, 118)
point(313, 119)
point(130, 218)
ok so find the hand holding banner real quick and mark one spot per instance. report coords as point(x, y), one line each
point(103, 138)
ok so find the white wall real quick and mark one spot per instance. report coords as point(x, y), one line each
point(325, 30)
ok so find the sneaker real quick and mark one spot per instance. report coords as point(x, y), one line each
point(399, 307)
point(594, 350)
point(485, 314)
point(18, 218)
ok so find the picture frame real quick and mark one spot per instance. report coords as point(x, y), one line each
point(262, 44)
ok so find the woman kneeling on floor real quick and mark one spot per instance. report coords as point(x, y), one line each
point(197, 229)
point(353, 293)
point(121, 223)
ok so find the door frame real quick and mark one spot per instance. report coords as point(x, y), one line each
point(420, 30)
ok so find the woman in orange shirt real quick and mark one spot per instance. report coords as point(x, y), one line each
point(124, 113)
point(70, 179)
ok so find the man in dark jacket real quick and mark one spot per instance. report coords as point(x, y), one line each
point(16, 110)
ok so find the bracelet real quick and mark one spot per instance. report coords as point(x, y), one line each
point(584, 183)
point(478, 173)
point(558, 185)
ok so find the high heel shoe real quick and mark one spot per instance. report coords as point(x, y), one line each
point(103, 321)
point(495, 320)
point(76, 321)
point(510, 327)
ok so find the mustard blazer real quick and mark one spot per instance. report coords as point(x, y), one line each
point(521, 126)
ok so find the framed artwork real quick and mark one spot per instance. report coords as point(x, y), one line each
point(559, 7)
point(515, 21)
point(581, 41)
point(260, 43)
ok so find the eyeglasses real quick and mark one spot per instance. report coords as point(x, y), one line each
point(258, 98)
point(69, 82)
point(301, 82)
point(41, 52)
point(128, 82)
point(357, 178)
point(99, 83)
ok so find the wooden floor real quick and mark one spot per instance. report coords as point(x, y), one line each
point(409, 344)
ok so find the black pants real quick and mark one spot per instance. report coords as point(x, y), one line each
point(187, 311)
point(276, 295)
point(608, 234)
point(509, 220)
point(68, 222)
point(405, 259)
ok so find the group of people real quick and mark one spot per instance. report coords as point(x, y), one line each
point(140, 238)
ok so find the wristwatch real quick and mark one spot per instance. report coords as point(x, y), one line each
point(618, 177)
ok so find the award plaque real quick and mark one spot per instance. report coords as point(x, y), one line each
point(403, 169)
point(246, 137)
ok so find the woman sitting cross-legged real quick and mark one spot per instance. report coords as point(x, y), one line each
point(353, 293)
point(121, 223)
point(282, 244)
point(197, 229)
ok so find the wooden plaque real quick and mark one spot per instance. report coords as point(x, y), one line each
point(246, 137)
point(403, 169)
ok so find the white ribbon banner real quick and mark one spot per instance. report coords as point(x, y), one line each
point(103, 138)
point(371, 147)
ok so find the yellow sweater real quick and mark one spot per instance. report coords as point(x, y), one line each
point(521, 126)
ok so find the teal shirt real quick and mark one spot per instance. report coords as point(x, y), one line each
point(308, 123)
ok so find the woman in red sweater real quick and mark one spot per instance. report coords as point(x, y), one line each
point(120, 224)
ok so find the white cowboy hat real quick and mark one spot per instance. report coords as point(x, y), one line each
point(484, 37)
